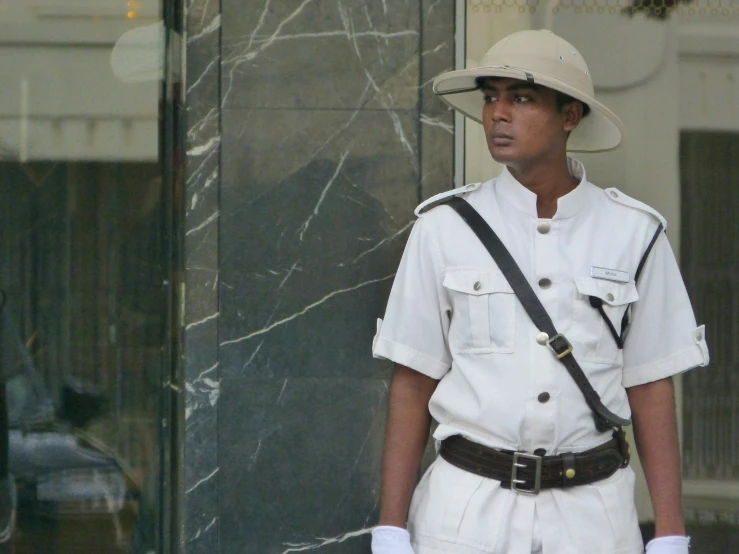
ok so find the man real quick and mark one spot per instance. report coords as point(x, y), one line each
point(468, 355)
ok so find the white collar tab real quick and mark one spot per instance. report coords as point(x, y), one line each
point(618, 196)
point(434, 201)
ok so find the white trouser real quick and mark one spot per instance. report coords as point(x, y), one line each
point(457, 512)
point(536, 546)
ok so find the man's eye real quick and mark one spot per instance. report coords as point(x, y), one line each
point(488, 98)
point(520, 98)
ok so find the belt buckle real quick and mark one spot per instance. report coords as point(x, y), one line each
point(515, 481)
point(567, 345)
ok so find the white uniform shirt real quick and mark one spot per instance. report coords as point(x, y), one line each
point(453, 316)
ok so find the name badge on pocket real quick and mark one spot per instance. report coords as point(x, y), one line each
point(609, 274)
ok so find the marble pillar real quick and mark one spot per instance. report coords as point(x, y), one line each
point(200, 508)
point(313, 133)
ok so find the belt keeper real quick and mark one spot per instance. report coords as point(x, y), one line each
point(623, 445)
point(568, 469)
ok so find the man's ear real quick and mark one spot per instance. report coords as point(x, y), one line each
point(573, 115)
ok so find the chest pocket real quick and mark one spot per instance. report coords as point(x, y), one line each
point(484, 309)
point(591, 329)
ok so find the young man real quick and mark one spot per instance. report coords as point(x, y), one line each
point(523, 468)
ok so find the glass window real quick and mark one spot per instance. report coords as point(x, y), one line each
point(82, 263)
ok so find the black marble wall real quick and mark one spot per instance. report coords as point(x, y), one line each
point(199, 443)
point(312, 135)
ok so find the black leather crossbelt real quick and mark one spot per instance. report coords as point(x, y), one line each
point(605, 419)
point(528, 473)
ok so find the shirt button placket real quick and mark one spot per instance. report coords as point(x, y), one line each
point(542, 418)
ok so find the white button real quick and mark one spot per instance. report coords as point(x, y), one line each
point(610, 297)
point(543, 227)
point(477, 285)
point(542, 338)
point(614, 194)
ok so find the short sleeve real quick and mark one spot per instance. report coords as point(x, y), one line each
point(414, 332)
point(663, 338)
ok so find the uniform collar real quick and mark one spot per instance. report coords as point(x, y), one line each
point(523, 199)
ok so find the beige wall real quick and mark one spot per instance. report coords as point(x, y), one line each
point(658, 77)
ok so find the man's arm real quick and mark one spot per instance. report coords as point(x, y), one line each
point(406, 434)
point(655, 433)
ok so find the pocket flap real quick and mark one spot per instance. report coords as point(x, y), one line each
point(612, 293)
point(476, 281)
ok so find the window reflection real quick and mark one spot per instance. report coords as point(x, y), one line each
point(80, 276)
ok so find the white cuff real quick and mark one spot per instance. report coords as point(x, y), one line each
point(391, 540)
point(668, 545)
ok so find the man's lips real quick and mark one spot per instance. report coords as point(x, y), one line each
point(501, 138)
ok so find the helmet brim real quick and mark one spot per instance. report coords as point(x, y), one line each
point(600, 131)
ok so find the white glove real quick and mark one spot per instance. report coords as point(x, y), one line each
point(391, 540)
point(668, 545)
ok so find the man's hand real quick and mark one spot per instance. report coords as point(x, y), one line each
point(394, 540)
point(665, 545)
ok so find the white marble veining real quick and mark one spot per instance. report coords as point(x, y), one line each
point(203, 480)
point(305, 310)
point(201, 321)
point(435, 122)
point(436, 49)
point(247, 54)
point(324, 542)
point(197, 197)
point(210, 219)
point(381, 243)
point(345, 34)
point(201, 531)
point(288, 275)
point(203, 148)
point(203, 391)
point(258, 43)
point(254, 456)
point(306, 223)
point(253, 354)
point(203, 75)
point(212, 27)
point(201, 124)
point(282, 391)
point(432, 7)
point(197, 174)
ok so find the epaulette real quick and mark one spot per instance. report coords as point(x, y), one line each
point(618, 196)
point(434, 201)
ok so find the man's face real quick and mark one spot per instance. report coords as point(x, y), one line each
point(522, 122)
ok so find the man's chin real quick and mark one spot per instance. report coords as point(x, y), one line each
point(503, 155)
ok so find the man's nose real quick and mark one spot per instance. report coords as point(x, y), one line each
point(501, 110)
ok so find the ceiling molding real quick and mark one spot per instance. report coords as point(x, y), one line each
point(91, 9)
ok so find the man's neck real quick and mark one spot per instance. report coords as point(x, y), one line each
point(548, 181)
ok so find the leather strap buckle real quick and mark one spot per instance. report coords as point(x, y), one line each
point(516, 482)
point(560, 345)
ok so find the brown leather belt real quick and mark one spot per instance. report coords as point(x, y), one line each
point(528, 473)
